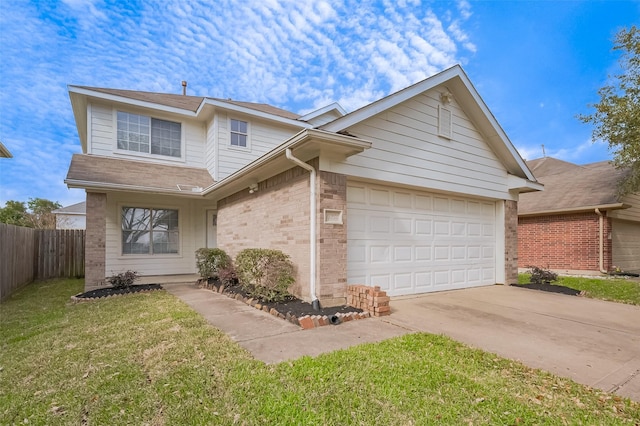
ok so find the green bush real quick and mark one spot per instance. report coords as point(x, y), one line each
point(265, 274)
point(210, 261)
point(541, 275)
point(123, 279)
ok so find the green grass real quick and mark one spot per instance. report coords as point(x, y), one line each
point(149, 359)
point(612, 289)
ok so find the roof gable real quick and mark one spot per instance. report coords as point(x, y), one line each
point(455, 81)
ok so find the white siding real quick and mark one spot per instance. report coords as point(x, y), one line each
point(407, 150)
point(102, 137)
point(192, 222)
point(263, 137)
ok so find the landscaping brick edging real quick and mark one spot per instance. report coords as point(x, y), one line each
point(306, 321)
point(370, 299)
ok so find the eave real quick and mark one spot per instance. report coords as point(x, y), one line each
point(306, 145)
point(580, 209)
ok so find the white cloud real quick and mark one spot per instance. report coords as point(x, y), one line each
point(296, 55)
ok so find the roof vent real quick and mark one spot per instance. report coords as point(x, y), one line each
point(184, 88)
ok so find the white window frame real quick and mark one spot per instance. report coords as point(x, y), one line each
point(150, 254)
point(148, 154)
point(248, 134)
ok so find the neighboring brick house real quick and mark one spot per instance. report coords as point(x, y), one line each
point(578, 224)
point(416, 192)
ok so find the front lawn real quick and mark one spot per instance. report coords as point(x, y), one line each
point(605, 288)
point(150, 359)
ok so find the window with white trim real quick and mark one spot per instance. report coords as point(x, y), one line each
point(239, 133)
point(149, 231)
point(148, 135)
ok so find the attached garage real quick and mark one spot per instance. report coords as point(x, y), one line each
point(410, 242)
point(625, 240)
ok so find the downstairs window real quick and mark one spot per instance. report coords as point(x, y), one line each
point(149, 231)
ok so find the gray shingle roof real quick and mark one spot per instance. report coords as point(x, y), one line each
point(189, 103)
point(568, 186)
point(93, 170)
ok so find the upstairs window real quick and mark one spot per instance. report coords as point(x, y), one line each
point(149, 231)
point(148, 135)
point(239, 133)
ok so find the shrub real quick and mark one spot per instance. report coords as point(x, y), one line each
point(123, 279)
point(541, 276)
point(265, 274)
point(210, 261)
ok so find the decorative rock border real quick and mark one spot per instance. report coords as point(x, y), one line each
point(306, 321)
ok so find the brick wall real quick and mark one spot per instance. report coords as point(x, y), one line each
point(563, 242)
point(274, 217)
point(332, 241)
point(95, 243)
point(511, 242)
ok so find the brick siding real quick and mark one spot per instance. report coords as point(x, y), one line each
point(277, 217)
point(511, 242)
point(95, 243)
point(563, 242)
point(332, 240)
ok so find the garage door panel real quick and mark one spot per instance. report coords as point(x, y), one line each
point(625, 242)
point(412, 242)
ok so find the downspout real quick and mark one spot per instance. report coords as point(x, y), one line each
point(315, 303)
point(601, 245)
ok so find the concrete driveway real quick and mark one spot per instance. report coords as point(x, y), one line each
point(593, 342)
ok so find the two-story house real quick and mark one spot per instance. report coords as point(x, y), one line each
point(416, 192)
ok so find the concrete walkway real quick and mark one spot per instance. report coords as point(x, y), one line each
point(593, 342)
point(272, 339)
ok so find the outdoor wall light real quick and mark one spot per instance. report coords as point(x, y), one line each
point(253, 188)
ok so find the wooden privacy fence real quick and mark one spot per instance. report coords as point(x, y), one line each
point(28, 254)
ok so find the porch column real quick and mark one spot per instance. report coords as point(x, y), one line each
point(511, 242)
point(95, 241)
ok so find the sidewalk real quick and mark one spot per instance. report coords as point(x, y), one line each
point(273, 340)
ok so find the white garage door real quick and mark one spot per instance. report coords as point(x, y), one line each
point(411, 242)
point(625, 242)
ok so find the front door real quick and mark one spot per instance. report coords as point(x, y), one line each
point(212, 225)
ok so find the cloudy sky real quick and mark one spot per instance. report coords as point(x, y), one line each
point(536, 64)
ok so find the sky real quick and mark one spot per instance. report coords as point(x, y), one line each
point(536, 64)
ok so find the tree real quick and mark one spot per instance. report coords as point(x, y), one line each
point(617, 115)
point(38, 214)
point(41, 216)
point(14, 213)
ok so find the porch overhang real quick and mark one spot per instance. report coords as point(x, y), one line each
point(305, 145)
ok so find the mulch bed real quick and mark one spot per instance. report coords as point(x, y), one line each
point(293, 309)
point(552, 288)
point(293, 305)
point(112, 291)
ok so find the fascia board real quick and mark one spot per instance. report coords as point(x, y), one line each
point(523, 185)
point(129, 101)
point(4, 152)
point(331, 107)
point(79, 108)
point(252, 112)
point(581, 209)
